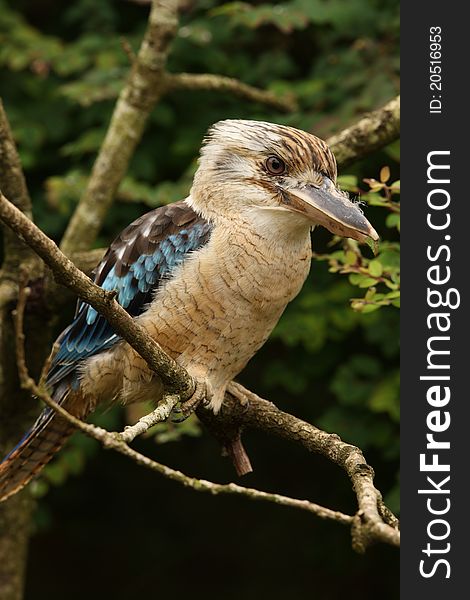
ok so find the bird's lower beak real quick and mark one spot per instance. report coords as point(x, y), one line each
point(327, 206)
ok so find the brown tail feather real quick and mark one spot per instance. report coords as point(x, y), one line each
point(32, 454)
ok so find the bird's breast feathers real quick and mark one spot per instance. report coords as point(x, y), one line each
point(222, 303)
point(210, 295)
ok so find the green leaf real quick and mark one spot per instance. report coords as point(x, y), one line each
point(386, 397)
point(373, 245)
point(355, 278)
point(348, 182)
point(350, 257)
point(369, 308)
point(366, 281)
point(375, 268)
point(393, 220)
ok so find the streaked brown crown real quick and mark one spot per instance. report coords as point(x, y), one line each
point(295, 146)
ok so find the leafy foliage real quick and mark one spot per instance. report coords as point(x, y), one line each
point(333, 359)
point(383, 271)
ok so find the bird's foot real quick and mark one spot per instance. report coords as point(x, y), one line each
point(244, 402)
point(183, 410)
point(239, 392)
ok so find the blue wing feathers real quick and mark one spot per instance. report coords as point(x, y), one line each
point(138, 260)
point(142, 256)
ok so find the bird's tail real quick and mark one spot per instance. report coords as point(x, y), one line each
point(48, 434)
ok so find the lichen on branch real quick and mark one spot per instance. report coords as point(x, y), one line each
point(373, 131)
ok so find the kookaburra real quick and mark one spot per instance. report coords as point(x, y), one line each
point(207, 277)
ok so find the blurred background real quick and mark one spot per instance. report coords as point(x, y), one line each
point(105, 528)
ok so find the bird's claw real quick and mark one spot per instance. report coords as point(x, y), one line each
point(244, 402)
point(183, 410)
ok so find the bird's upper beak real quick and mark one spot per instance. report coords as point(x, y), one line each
point(325, 205)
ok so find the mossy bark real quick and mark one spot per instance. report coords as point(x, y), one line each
point(374, 131)
point(17, 409)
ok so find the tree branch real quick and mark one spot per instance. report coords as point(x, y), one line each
point(264, 415)
point(147, 82)
point(117, 441)
point(11, 174)
point(220, 83)
point(12, 181)
point(87, 260)
point(384, 128)
point(368, 524)
point(14, 406)
point(136, 100)
point(175, 378)
point(8, 292)
point(375, 130)
point(161, 413)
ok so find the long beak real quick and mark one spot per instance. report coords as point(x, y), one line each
point(327, 206)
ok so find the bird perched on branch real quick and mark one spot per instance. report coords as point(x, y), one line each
point(207, 277)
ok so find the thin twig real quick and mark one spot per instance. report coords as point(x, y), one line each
point(161, 413)
point(48, 362)
point(220, 83)
point(240, 459)
point(126, 46)
point(18, 316)
point(117, 442)
point(174, 377)
point(368, 523)
point(8, 292)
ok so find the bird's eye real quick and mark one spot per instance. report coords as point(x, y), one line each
point(275, 165)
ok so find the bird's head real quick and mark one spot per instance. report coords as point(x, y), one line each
point(260, 170)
